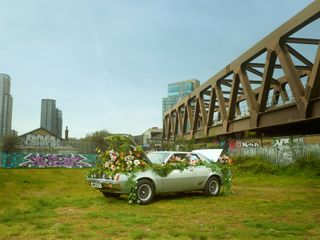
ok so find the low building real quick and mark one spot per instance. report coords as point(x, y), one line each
point(42, 140)
point(152, 138)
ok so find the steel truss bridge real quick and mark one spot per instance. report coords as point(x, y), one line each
point(273, 87)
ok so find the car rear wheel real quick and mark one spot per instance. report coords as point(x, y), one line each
point(145, 191)
point(212, 187)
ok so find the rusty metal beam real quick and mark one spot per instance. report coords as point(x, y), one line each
point(266, 81)
point(278, 66)
point(293, 77)
point(313, 85)
point(233, 97)
point(299, 56)
point(198, 107)
point(303, 40)
point(212, 107)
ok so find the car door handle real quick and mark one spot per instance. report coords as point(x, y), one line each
point(191, 169)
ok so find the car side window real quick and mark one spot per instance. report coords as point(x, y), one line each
point(178, 157)
point(194, 157)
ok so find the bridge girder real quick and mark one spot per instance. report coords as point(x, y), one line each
point(247, 93)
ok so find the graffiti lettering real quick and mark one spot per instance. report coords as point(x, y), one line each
point(41, 141)
point(249, 144)
point(281, 142)
point(54, 160)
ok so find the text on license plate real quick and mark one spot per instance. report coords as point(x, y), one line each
point(96, 185)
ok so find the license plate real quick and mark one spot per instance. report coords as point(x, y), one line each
point(96, 185)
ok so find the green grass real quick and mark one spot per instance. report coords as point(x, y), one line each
point(59, 204)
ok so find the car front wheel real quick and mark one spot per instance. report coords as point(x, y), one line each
point(145, 191)
point(213, 186)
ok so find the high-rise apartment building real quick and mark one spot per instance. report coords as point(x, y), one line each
point(59, 122)
point(177, 91)
point(51, 117)
point(5, 105)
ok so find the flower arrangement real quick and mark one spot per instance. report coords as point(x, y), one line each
point(120, 157)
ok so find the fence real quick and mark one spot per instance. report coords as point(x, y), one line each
point(283, 155)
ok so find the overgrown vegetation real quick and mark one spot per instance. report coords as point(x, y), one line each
point(308, 165)
point(10, 143)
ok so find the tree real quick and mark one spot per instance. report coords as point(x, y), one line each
point(97, 139)
point(10, 143)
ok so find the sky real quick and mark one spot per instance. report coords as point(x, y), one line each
point(108, 62)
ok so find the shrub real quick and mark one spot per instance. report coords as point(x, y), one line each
point(308, 165)
point(254, 164)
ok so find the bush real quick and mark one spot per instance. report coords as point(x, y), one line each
point(10, 143)
point(308, 165)
point(254, 164)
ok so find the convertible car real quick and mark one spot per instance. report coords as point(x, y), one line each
point(195, 177)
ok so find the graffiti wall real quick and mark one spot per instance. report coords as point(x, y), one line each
point(288, 147)
point(40, 138)
point(40, 160)
point(281, 150)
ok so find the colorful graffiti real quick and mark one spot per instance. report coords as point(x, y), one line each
point(40, 160)
point(54, 160)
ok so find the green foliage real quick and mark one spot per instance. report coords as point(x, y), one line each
point(10, 143)
point(308, 165)
point(132, 185)
point(120, 156)
point(226, 173)
point(254, 164)
point(249, 134)
point(166, 169)
point(97, 139)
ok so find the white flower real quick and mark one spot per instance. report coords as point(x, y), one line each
point(136, 162)
point(128, 158)
point(107, 164)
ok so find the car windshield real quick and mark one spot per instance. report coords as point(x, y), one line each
point(158, 157)
point(203, 158)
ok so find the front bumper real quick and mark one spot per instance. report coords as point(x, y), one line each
point(106, 185)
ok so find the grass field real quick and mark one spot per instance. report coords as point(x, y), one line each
point(58, 204)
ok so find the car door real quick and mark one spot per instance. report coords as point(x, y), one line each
point(177, 180)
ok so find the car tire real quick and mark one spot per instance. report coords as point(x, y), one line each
point(109, 195)
point(212, 187)
point(145, 191)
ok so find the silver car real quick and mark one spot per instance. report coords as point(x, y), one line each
point(193, 178)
